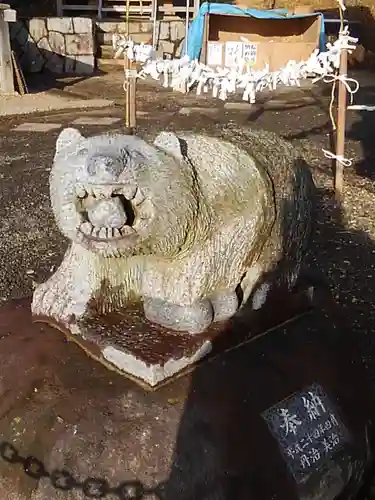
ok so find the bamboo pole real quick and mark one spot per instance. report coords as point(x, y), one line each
point(341, 119)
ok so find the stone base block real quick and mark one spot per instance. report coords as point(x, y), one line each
point(152, 355)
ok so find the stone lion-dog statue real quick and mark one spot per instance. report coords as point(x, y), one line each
point(190, 226)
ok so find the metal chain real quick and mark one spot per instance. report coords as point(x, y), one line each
point(64, 480)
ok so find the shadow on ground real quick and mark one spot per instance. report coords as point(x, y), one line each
point(222, 449)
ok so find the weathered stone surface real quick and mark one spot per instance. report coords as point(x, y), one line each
point(134, 27)
point(104, 38)
point(85, 65)
point(117, 27)
point(142, 37)
point(240, 106)
point(32, 60)
point(70, 64)
point(177, 30)
point(14, 28)
point(79, 44)
point(57, 42)
point(61, 24)
point(82, 25)
point(164, 30)
point(44, 46)
point(22, 36)
point(202, 436)
point(55, 63)
point(37, 127)
point(40, 45)
point(93, 120)
point(146, 27)
point(203, 110)
point(37, 28)
point(179, 48)
point(165, 47)
point(109, 26)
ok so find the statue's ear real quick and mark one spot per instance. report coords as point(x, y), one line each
point(170, 143)
point(67, 136)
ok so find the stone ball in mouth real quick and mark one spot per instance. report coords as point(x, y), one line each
point(111, 213)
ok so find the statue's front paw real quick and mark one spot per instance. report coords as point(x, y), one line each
point(50, 301)
point(192, 319)
point(225, 305)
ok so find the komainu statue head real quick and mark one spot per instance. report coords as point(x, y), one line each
point(116, 195)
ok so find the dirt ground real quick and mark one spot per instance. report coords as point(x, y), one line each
point(343, 246)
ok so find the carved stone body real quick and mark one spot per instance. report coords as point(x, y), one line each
point(192, 225)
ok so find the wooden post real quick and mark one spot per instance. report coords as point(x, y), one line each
point(203, 55)
point(130, 96)
point(196, 8)
point(340, 135)
point(100, 12)
point(130, 84)
point(59, 8)
point(187, 19)
point(6, 66)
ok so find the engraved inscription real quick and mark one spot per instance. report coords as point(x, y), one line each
point(308, 429)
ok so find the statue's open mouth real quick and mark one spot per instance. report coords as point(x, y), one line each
point(112, 212)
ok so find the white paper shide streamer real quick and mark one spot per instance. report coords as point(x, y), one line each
point(184, 74)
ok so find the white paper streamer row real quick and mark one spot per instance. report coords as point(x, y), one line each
point(184, 74)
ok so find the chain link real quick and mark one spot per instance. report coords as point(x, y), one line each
point(65, 481)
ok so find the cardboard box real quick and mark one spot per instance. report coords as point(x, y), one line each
point(261, 41)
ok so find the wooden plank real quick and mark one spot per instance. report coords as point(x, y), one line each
point(120, 9)
point(79, 7)
point(20, 78)
point(175, 9)
point(131, 1)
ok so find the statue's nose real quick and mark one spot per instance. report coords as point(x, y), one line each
point(103, 168)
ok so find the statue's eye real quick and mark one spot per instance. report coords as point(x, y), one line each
point(83, 152)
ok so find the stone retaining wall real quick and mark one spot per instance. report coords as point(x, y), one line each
point(58, 44)
point(68, 44)
point(169, 34)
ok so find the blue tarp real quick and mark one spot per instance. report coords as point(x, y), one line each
point(195, 34)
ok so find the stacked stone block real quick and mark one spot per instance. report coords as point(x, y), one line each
point(58, 44)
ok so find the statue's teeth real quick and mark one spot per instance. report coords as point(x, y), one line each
point(98, 191)
point(106, 191)
point(80, 191)
point(102, 233)
point(138, 198)
point(129, 192)
point(116, 233)
point(86, 228)
point(127, 230)
point(89, 190)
